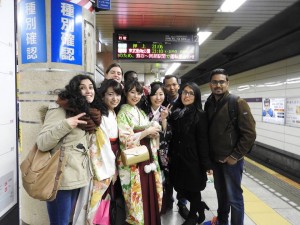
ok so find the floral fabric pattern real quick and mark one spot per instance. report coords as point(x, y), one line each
point(132, 119)
point(164, 137)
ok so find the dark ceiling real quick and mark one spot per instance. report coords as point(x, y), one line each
point(277, 39)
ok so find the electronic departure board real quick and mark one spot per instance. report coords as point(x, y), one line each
point(156, 47)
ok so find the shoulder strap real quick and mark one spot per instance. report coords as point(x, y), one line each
point(233, 109)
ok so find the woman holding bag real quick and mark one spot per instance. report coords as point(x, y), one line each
point(67, 124)
point(141, 183)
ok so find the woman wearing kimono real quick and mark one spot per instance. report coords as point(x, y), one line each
point(142, 189)
point(157, 112)
point(105, 147)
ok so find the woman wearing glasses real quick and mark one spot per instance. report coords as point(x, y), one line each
point(189, 157)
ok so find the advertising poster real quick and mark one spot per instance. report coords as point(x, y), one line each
point(273, 110)
point(293, 112)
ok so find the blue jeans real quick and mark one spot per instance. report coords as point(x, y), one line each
point(61, 208)
point(227, 181)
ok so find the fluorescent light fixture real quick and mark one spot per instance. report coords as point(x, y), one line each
point(230, 5)
point(202, 36)
point(172, 68)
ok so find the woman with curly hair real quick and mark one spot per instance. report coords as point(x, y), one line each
point(68, 123)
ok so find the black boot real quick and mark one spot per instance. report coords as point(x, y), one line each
point(190, 221)
point(201, 212)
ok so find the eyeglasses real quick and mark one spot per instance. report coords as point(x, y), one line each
point(190, 93)
point(216, 82)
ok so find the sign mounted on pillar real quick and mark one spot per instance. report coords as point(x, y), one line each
point(32, 23)
point(66, 32)
point(102, 5)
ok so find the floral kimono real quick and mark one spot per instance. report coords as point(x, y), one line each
point(103, 166)
point(131, 121)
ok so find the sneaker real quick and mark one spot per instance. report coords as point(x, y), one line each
point(183, 211)
point(214, 221)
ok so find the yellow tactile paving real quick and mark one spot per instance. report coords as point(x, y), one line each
point(259, 212)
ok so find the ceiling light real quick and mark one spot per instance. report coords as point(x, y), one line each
point(202, 36)
point(172, 68)
point(230, 5)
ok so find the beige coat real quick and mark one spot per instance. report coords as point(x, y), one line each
point(75, 142)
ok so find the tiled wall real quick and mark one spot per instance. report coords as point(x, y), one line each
point(280, 79)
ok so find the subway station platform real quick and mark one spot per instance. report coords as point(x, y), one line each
point(270, 198)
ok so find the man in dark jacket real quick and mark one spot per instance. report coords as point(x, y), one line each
point(229, 139)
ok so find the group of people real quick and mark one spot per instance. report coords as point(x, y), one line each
point(184, 143)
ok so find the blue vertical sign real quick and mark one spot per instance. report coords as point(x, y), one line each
point(66, 32)
point(33, 31)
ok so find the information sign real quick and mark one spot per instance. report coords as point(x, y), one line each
point(164, 47)
point(33, 31)
point(66, 32)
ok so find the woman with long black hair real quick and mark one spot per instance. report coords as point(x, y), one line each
point(189, 151)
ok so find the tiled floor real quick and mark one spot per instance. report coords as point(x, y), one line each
point(263, 204)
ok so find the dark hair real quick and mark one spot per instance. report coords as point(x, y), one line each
point(154, 87)
point(167, 77)
point(218, 71)
point(113, 65)
point(146, 105)
point(115, 85)
point(129, 85)
point(129, 75)
point(75, 99)
point(267, 100)
point(197, 93)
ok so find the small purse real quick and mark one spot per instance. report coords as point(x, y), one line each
point(135, 155)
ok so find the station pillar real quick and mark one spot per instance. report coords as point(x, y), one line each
point(56, 41)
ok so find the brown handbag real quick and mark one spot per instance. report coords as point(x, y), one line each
point(135, 155)
point(42, 173)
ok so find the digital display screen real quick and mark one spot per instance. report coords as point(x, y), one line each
point(163, 48)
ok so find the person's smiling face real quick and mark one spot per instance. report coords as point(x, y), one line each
point(157, 99)
point(114, 73)
point(87, 90)
point(218, 84)
point(187, 96)
point(133, 97)
point(111, 99)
